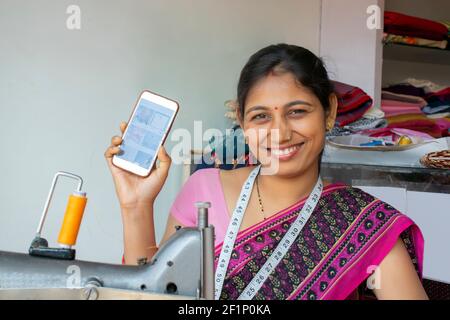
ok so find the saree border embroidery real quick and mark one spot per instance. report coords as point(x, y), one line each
point(358, 258)
point(352, 250)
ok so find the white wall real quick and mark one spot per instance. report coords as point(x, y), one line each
point(350, 49)
point(63, 94)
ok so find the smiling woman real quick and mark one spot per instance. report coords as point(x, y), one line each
point(285, 91)
point(293, 236)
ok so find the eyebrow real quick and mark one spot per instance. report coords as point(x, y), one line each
point(287, 105)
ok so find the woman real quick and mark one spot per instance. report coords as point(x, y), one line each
point(344, 236)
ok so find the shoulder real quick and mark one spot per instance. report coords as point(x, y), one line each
point(206, 176)
point(371, 209)
point(234, 177)
point(343, 193)
point(203, 174)
point(353, 201)
point(370, 198)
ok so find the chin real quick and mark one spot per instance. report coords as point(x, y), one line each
point(291, 168)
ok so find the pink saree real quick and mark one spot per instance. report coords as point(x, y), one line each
point(348, 233)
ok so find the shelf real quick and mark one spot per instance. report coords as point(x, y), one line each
point(412, 53)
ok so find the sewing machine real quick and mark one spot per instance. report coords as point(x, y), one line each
point(182, 268)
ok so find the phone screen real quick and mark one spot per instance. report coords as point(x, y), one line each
point(145, 133)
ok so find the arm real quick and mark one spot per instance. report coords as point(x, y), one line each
point(139, 234)
point(136, 197)
point(399, 279)
point(170, 228)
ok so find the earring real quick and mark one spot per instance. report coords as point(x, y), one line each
point(329, 126)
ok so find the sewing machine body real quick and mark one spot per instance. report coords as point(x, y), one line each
point(182, 268)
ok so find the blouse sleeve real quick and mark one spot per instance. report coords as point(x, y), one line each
point(183, 209)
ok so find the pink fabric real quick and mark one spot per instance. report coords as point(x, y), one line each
point(394, 108)
point(202, 185)
point(444, 125)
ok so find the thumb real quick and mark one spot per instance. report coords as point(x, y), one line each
point(164, 160)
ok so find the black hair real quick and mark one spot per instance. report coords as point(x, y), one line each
point(307, 68)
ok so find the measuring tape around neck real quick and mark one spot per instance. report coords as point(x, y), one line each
point(281, 249)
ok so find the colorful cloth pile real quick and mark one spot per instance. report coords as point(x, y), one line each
point(417, 122)
point(405, 29)
point(410, 103)
point(393, 38)
point(353, 102)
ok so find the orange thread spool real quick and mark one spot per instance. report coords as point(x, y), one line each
point(72, 219)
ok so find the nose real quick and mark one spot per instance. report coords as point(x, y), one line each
point(281, 132)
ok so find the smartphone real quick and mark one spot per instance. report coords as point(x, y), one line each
point(147, 129)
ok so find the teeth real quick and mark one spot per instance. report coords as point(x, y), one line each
point(283, 152)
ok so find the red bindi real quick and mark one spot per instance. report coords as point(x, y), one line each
point(276, 108)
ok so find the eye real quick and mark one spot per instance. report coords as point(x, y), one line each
point(260, 116)
point(297, 111)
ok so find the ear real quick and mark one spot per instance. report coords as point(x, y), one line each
point(330, 116)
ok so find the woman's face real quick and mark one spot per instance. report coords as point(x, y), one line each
point(285, 124)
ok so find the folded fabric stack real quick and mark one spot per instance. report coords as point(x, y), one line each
point(412, 104)
point(394, 108)
point(405, 29)
point(414, 41)
point(417, 122)
point(407, 105)
point(353, 102)
point(388, 95)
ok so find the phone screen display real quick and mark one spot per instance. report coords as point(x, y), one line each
point(145, 133)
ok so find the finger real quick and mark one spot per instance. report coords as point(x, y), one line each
point(164, 159)
point(116, 140)
point(162, 155)
point(111, 151)
point(123, 126)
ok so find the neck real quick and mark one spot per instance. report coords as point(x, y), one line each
point(290, 188)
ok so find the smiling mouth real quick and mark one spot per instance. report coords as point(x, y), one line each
point(286, 151)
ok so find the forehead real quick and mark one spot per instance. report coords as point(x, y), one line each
point(274, 90)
